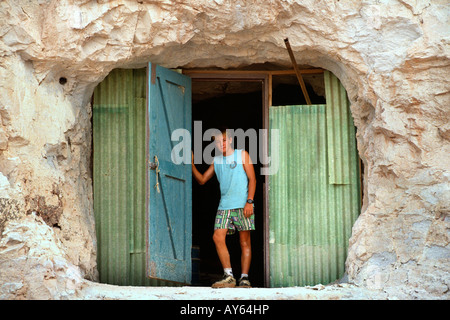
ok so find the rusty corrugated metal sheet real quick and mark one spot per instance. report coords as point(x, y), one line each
point(310, 217)
point(119, 171)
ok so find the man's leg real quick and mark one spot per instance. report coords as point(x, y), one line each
point(219, 238)
point(246, 251)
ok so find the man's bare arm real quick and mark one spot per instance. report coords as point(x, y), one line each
point(202, 178)
point(250, 171)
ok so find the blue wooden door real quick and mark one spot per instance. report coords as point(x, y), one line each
point(170, 184)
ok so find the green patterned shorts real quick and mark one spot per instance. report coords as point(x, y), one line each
point(234, 219)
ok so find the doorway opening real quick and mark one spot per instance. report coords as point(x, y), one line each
point(233, 110)
point(237, 101)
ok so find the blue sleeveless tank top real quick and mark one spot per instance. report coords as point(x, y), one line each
point(233, 180)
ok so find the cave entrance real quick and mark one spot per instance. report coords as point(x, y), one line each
point(303, 221)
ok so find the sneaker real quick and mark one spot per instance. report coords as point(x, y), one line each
point(227, 282)
point(244, 283)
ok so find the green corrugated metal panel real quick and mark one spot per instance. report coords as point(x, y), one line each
point(339, 128)
point(310, 220)
point(119, 169)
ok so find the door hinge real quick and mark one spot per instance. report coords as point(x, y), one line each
point(155, 166)
point(152, 165)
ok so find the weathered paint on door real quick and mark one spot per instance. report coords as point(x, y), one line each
point(311, 207)
point(170, 184)
point(119, 178)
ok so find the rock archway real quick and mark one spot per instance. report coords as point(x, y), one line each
point(391, 58)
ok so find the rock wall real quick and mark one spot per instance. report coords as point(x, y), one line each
point(392, 57)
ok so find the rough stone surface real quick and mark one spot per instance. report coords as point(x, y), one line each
point(391, 56)
point(33, 263)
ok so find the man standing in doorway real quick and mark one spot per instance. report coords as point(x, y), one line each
point(236, 176)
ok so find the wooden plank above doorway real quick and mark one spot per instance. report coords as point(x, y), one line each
point(297, 72)
point(247, 75)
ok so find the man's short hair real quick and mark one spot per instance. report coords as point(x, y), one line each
point(225, 130)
